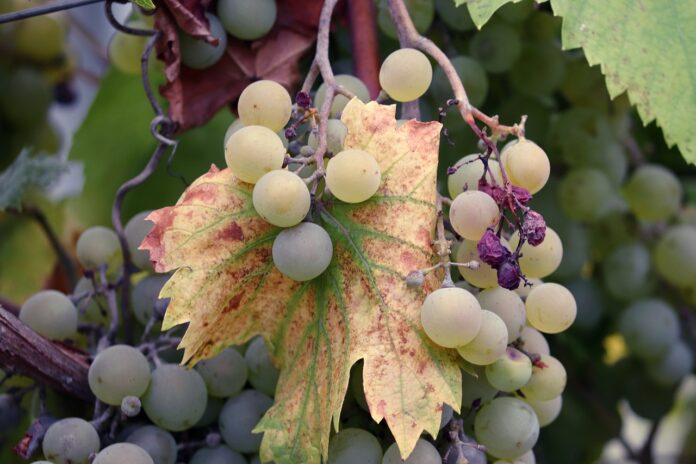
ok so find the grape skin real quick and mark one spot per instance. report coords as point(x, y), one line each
point(546, 411)
point(586, 195)
point(351, 84)
point(117, 372)
point(476, 388)
point(524, 289)
point(70, 441)
point(281, 197)
point(120, 453)
point(238, 418)
point(649, 327)
point(423, 453)
point(172, 384)
point(145, 295)
point(489, 343)
point(551, 308)
point(510, 372)
point(626, 271)
point(247, 20)
point(455, 17)
point(542, 260)
point(653, 193)
point(405, 74)
point(50, 314)
point(336, 133)
point(469, 173)
point(220, 454)
point(197, 53)
point(265, 103)
point(263, 375)
point(526, 164)
point(302, 252)
point(532, 341)
point(508, 305)
point(472, 212)
point(353, 176)
point(546, 382)
point(483, 277)
point(212, 411)
point(473, 77)
point(253, 151)
point(135, 231)
point(540, 69)
point(673, 366)
point(96, 246)
point(675, 255)
point(224, 374)
point(354, 446)
point(451, 317)
point(496, 47)
point(41, 38)
point(508, 427)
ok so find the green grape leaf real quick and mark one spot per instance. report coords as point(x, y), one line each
point(227, 289)
point(482, 10)
point(147, 4)
point(25, 173)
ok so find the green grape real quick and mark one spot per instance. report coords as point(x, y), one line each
point(540, 69)
point(541, 260)
point(265, 103)
point(212, 411)
point(353, 176)
point(117, 372)
point(473, 77)
point(496, 47)
point(158, 443)
point(517, 12)
point(546, 411)
point(336, 133)
point(98, 245)
point(25, 99)
point(238, 418)
point(456, 17)
point(224, 374)
point(197, 53)
point(483, 277)
point(469, 172)
point(526, 287)
point(532, 341)
point(587, 195)
point(590, 300)
point(673, 366)
point(546, 382)
point(302, 252)
point(125, 50)
point(120, 453)
point(551, 308)
point(526, 164)
point(50, 314)
point(476, 389)
point(263, 375)
point(626, 272)
point(420, 11)
point(511, 372)
point(145, 295)
point(423, 453)
point(489, 343)
point(653, 193)
point(354, 445)
point(526, 458)
point(508, 306)
point(575, 257)
point(472, 212)
point(233, 127)
point(220, 454)
point(41, 38)
point(675, 255)
point(405, 74)
point(281, 197)
point(173, 385)
point(247, 20)
point(447, 415)
point(543, 25)
point(451, 316)
point(253, 151)
point(70, 441)
point(507, 427)
point(355, 384)
point(350, 83)
point(650, 327)
point(136, 229)
point(584, 85)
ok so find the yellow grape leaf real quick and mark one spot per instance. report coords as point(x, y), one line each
point(227, 288)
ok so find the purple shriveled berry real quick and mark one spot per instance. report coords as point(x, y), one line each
point(491, 250)
point(303, 100)
point(290, 133)
point(534, 228)
point(522, 195)
point(509, 274)
point(497, 193)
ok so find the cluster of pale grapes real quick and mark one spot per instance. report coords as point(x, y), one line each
point(36, 69)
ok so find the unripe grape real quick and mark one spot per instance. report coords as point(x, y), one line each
point(354, 445)
point(353, 176)
point(117, 372)
point(253, 151)
point(70, 441)
point(469, 172)
point(489, 343)
point(220, 454)
point(673, 366)
point(136, 229)
point(51, 314)
point(551, 308)
point(540, 69)
point(497, 47)
point(506, 304)
point(653, 193)
point(451, 316)
point(455, 17)
point(473, 77)
point(541, 260)
point(265, 103)
point(547, 382)
point(145, 296)
point(526, 164)
point(546, 411)
point(239, 417)
point(281, 197)
point(476, 389)
point(507, 427)
point(350, 83)
point(302, 252)
point(423, 453)
point(90, 308)
point(158, 443)
point(472, 212)
point(524, 289)
point(247, 20)
point(224, 374)
point(336, 133)
point(510, 372)
point(532, 341)
point(483, 277)
point(405, 74)
point(125, 50)
point(120, 453)
point(197, 53)
point(41, 38)
point(626, 271)
point(649, 327)
point(586, 195)
point(675, 255)
point(98, 245)
point(263, 374)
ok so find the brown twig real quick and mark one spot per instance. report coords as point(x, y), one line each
point(363, 33)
